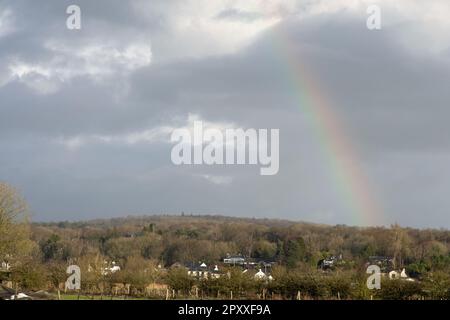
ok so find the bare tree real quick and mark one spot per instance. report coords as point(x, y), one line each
point(14, 228)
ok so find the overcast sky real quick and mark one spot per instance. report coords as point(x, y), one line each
point(86, 115)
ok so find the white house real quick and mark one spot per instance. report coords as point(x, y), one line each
point(260, 275)
point(402, 275)
point(5, 266)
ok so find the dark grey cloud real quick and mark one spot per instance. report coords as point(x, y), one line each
point(69, 112)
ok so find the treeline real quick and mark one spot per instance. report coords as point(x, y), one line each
point(147, 248)
point(186, 239)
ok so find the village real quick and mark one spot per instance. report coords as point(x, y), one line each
point(256, 270)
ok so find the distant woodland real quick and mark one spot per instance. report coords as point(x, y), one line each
point(155, 254)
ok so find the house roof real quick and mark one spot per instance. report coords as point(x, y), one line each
point(235, 257)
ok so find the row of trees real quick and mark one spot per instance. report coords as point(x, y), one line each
point(192, 239)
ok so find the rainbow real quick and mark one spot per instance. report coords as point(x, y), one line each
point(336, 145)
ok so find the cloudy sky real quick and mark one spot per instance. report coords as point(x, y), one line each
point(86, 115)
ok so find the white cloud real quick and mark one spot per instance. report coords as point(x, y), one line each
point(99, 62)
point(157, 134)
point(199, 28)
point(37, 77)
point(73, 143)
point(6, 22)
point(218, 180)
point(151, 135)
point(196, 29)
